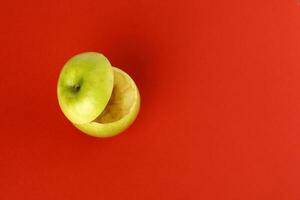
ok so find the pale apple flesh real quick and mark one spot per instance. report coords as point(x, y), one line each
point(120, 111)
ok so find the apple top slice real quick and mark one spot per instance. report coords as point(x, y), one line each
point(84, 87)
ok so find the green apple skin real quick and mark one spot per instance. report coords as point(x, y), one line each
point(105, 130)
point(84, 87)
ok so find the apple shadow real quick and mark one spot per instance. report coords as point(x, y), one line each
point(136, 56)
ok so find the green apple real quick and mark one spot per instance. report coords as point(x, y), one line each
point(84, 87)
point(121, 110)
point(97, 98)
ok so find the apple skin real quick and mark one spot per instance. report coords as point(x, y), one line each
point(104, 130)
point(84, 87)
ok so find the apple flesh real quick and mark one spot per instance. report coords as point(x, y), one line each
point(120, 111)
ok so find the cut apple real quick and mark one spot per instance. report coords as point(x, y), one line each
point(99, 99)
point(84, 87)
point(120, 111)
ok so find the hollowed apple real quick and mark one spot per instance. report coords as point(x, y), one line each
point(100, 100)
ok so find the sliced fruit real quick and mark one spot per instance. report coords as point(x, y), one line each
point(120, 111)
point(84, 87)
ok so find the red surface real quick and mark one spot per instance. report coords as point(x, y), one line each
point(220, 87)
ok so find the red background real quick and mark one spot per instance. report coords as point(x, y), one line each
point(220, 87)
